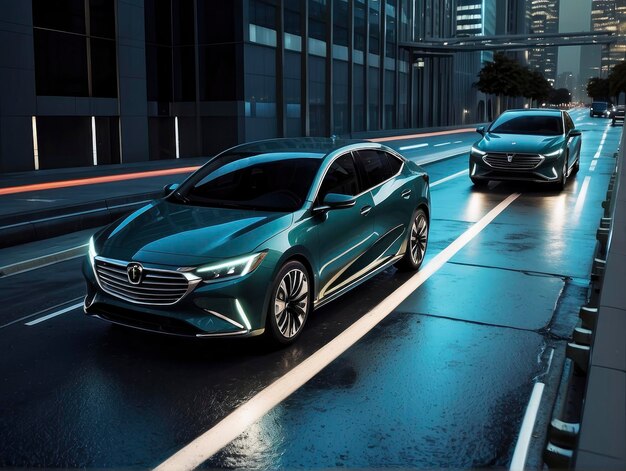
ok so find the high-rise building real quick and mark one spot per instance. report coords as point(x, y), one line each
point(93, 82)
point(544, 19)
point(476, 18)
point(610, 15)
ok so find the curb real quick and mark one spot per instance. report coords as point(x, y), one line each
point(39, 225)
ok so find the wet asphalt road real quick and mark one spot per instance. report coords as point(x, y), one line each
point(443, 381)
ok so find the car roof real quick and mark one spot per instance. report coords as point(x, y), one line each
point(536, 111)
point(306, 146)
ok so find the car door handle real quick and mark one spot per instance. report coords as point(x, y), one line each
point(406, 194)
point(365, 210)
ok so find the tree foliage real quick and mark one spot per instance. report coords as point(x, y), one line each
point(560, 96)
point(598, 88)
point(617, 79)
point(507, 77)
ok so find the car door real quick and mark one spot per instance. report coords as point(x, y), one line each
point(393, 198)
point(344, 235)
point(573, 143)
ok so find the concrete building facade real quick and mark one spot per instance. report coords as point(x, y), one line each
point(93, 82)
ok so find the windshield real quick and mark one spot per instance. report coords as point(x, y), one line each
point(267, 182)
point(542, 125)
point(599, 105)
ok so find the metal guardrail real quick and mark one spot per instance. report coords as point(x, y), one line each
point(564, 437)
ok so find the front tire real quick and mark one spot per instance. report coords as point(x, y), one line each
point(290, 304)
point(416, 244)
point(560, 185)
point(479, 183)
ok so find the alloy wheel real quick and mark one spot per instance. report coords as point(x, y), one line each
point(291, 302)
point(419, 238)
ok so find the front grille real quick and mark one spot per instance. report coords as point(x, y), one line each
point(157, 287)
point(518, 161)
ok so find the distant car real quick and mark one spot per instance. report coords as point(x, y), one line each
point(258, 237)
point(536, 145)
point(599, 108)
point(618, 114)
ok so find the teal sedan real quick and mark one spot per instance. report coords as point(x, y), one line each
point(537, 145)
point(259, 237)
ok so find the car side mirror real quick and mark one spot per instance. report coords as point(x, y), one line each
point(169, 188)
point(481, 130)
point(574, 133)
point(335, 201)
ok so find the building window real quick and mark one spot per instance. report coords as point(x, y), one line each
point(73, 56)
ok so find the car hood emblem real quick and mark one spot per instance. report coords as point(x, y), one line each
point(509, 157)
point(135, 273)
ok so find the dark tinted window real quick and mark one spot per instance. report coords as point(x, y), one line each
point(341, 178)
point(394, 163)
point(513, 123)
point(599, 105)
point(375, 167)
point(569, 124)
point(262, 182)
point(61, 15)
point(60, 63)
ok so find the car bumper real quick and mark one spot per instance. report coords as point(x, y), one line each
point(234, 308)
point(548, 171)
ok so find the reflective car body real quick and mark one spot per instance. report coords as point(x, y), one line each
point(618, 114)
point(599, 108)
point(535, 145)
point(206, 268)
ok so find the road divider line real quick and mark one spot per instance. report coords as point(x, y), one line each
point(442, 144)
point(238, 421)
point(415, 146)
point(518, 462)
point(43, 261)
point(450, 177)
point(94, 180)
point(580, 201)
point(54, 314)
point(421, 135)
point(38, 313)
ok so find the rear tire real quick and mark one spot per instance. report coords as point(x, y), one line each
point(417, 241)
point(290, 304)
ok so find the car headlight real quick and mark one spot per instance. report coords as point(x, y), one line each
point(556, 153)
point(231, 268)
point(92, 250)
point(477, 152)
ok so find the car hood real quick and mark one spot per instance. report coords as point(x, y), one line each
point(519, 143)
point(175, 234)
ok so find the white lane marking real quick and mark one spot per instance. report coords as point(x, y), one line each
point(450, 177)
point(518, 463)
point(602, 140)
point(414, 146)
point(45, 260)
point(457, 142)
point(580, 201)
point(238, 421)
point(37, 313)
point(442, 144)
point(54, 314)
point(592, 167)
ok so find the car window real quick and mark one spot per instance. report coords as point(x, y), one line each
point(341, 178)
point(569, 124)
point(375, 166)
point(542, 125)
point(260, 182)
point(394, 163)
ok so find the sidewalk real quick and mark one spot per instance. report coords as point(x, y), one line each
point(602, 438)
